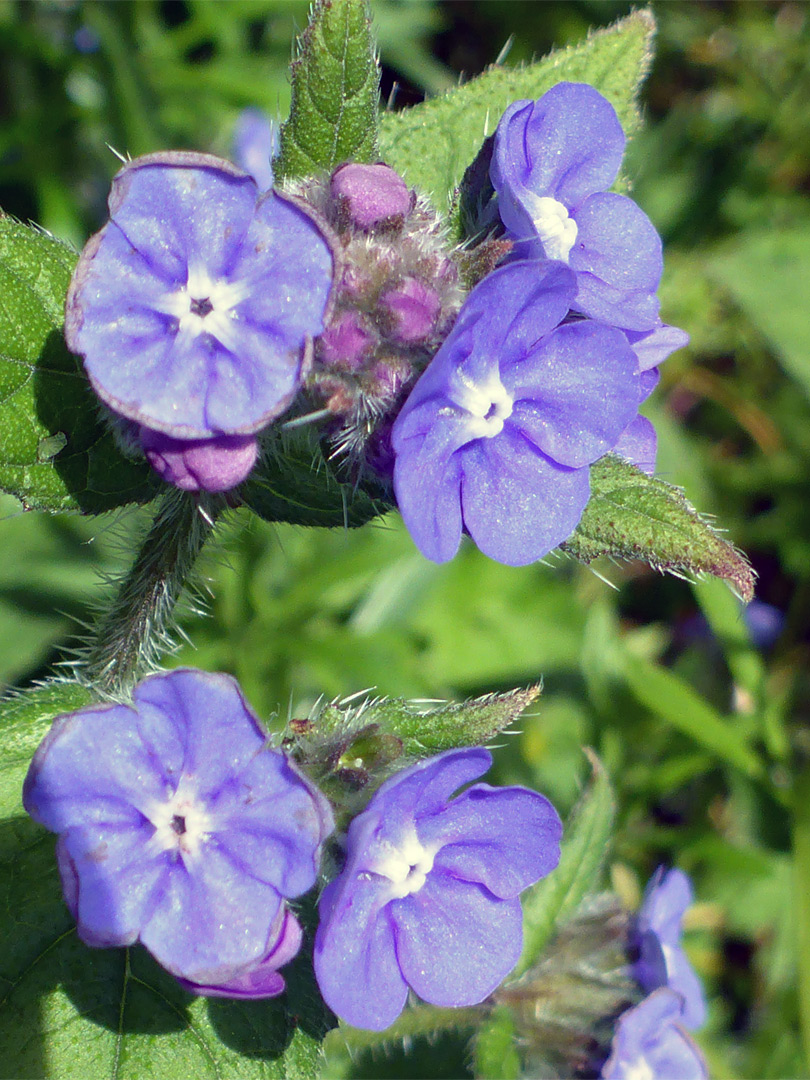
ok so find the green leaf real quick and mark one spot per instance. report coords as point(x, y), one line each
point(24, 720)
point(298, 485)
point(416, 1021)
point(423, 732)
point(766, 274)
point(432, 144)
point(634, 516)
point(73, 1012)
point(666, 696)
point(55, 453)
point(335, 93)
point(586, 839)
point(495, 1055)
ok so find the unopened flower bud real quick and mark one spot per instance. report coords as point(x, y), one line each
point(216, 464)
point(413, 309)
point(347, 342)
point(370, 197)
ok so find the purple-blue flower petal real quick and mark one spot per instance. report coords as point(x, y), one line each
point(666, 899)
point(255, 144)
point(116, 884)
point(210, 918)
point(518, 505)
point(181, 828)
point(456, 942)
point(639, 444)
point(575, 392)
point(649, 1042)
point(652, 347)
point(355, 956)
point(504, 838)
point(425, 788)
point(565, 146)
point(618, 261)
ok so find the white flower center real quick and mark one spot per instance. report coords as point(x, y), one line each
point(204, 305)
point(181, 824)
point(406, 866)
point(488, 405)
point(640, 1069)
point(556, 230)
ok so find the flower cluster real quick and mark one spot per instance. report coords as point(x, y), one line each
point(181, 828)
point(551, 355)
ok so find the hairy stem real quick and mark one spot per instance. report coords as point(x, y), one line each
point(133, 632)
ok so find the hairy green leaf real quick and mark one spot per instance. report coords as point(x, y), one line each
point(298, 485)
point(423, 732)
point(586, 839)
point(55, 453)
point(433, 143)
point(335, 93)
point(634, 516)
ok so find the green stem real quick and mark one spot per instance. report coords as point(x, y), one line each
point(135, 630)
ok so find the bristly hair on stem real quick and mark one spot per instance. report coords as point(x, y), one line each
point(135, 629)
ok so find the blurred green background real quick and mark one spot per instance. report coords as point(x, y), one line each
point(634, 664)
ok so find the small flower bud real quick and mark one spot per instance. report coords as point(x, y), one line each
point(413, 310)
point(372, 198)
point(216, 464)
point(347, 342)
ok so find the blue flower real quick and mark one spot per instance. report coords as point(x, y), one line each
point(179, 827)
point(195, 306)
point(429, 897)
point(650, 1044)
point(553, 162)
point(662, 961)
point(498, 434)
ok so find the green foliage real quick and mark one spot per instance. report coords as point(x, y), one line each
point(55, 453)
point(432, 144)
point(766, 274)
point(297, 484)
point(425, 731)
point(634, 516)
point(586, 838)
point(335, 80)
point(496, 1056)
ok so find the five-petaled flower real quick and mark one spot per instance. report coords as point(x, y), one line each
point(650, 1043)
point(662, 961)
point(498, 434)
point(195, 306)
point(429, 896)
point(553, 162)
point(180, 827)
